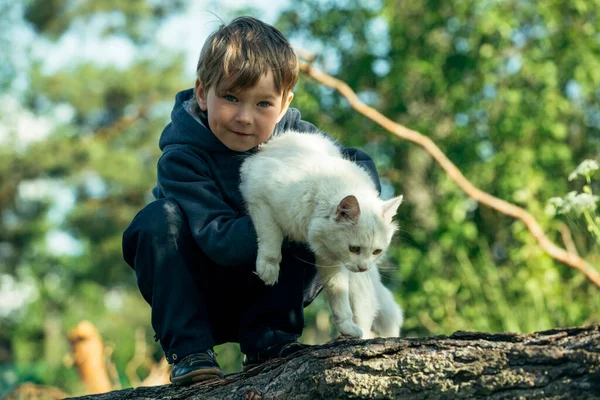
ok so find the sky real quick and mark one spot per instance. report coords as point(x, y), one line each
point(186, 32)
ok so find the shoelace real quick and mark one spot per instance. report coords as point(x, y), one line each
point(194, 358)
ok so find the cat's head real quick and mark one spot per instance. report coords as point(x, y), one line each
point(355, 235)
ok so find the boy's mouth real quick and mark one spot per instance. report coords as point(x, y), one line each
point(241, 133)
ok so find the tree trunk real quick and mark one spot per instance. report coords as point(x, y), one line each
point(554, 364)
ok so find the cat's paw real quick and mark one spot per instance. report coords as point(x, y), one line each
point(267, 270)
point(349, 329)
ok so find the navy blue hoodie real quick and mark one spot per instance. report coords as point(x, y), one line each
point(202, 175)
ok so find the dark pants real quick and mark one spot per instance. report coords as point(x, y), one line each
point(197, 304)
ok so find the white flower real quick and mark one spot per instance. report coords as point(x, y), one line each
point(564, 206)
point(584, 202)
point(585, 169)
point(557, 202)
point(574, 202)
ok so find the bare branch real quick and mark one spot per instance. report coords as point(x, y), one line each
point(111, 368)
point(568, 238)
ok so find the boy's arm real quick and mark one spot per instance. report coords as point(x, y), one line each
point(293, 121)
point(226, 237)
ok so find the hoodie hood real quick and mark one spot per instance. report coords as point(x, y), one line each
point(184, 129)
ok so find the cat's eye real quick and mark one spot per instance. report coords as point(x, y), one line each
point(378, 251)
point(354, 249)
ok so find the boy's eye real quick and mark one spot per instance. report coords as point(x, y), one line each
point(378, 251)
point(229, 97)
point(264, 104)
point(354, 249)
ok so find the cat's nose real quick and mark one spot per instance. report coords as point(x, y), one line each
point(362, 268)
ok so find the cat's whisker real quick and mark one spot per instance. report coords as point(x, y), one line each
point(317, 265)
point(388, 268)
point(324, 282)
point(404, 236)
point(391, 278)
point(393, 268)
point(385, 276)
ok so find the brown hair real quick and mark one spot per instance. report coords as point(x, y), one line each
point(236, 55)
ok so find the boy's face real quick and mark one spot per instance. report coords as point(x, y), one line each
point(244, 119)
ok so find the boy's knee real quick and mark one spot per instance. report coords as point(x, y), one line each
point(163, 216)
point(160, 219)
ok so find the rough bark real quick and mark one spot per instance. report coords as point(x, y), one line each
point(554, 364)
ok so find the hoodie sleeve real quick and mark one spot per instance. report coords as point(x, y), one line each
point(226, 237)
point(365, 161)
point(293, 121)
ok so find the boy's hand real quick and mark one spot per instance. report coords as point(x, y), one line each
point(267, 269)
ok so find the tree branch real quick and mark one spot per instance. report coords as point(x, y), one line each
point(555, 364)
point(570, 259)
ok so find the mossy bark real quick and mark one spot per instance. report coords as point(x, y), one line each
point(554, 364)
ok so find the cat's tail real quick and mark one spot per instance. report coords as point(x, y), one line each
point(390, 317)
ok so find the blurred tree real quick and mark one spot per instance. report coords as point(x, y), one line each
point(65, 199)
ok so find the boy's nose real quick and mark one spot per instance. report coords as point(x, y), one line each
point(243, 116)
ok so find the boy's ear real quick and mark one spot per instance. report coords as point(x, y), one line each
point(285, 105)
point(201, 95)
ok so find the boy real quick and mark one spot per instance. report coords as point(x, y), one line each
point(193, 249)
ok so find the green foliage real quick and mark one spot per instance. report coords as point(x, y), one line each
point(134, 18)
point(508, 90)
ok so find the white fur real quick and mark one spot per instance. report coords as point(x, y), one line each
point(294, 187)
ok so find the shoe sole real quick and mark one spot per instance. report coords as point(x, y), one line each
point(285, 352)
point(198, 376)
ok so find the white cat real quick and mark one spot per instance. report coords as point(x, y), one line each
point(299, 186)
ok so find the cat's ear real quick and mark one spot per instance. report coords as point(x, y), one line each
point(390, 207)
point(348, 209)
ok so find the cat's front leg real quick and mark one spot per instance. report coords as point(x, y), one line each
point(337, 288)
point(363, 301)
point(270, 238)
point(267, 268)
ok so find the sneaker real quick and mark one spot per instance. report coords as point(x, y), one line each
point(196, 367)
point(280, 350)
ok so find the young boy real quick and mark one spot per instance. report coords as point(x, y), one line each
point(193, 249)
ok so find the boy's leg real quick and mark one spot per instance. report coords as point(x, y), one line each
point(162, 251)
point(275, 314)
